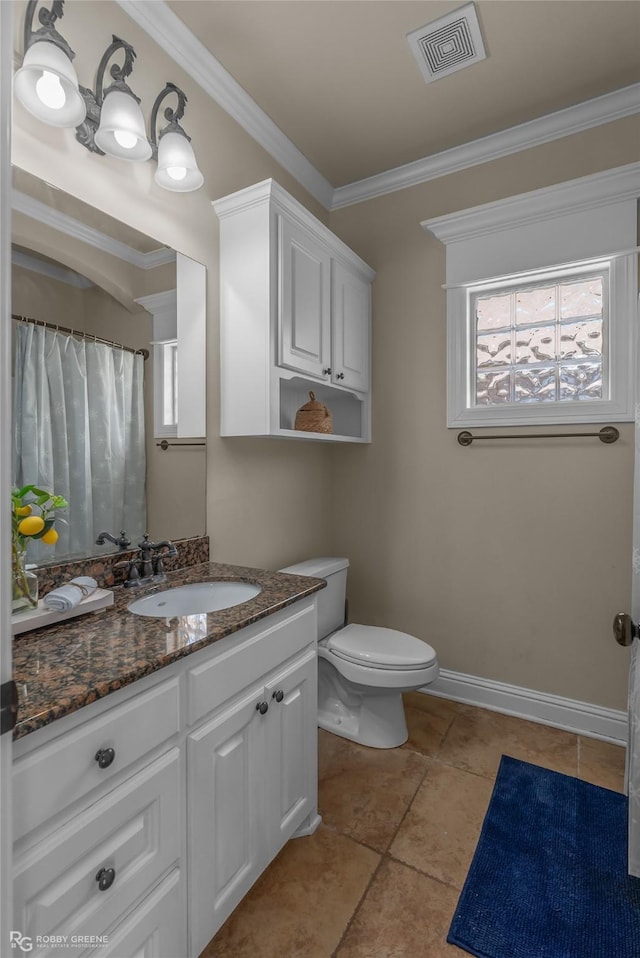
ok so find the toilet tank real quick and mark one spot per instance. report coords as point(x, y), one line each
point(332, 599)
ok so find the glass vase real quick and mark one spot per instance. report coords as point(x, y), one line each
point(25, 582)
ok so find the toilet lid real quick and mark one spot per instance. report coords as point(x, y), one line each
point(380, 648)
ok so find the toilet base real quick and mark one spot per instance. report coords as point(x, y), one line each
point(371, 718)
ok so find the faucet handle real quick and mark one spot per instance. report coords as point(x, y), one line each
point(133, 574)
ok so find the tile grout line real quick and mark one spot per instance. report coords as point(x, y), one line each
point(386, 856)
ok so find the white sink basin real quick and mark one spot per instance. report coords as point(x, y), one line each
point(194, 599)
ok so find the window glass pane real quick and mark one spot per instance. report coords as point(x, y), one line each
point(536, 345)
point(581, 299)
point(493, 312)
point(536, 305)
point(170, 384)
point(494, 349)
point(493, 387)
point(549, 337)
point(582, 381)
point(535, 385)
point(579, 340)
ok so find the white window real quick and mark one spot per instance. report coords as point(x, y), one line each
point(530, 341)
point(165, 392)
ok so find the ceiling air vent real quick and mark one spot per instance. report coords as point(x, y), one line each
point(448, 44)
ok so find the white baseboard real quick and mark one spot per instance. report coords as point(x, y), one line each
point(583, 718)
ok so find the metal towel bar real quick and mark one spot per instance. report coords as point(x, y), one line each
point(607, 434)
point(164, 445)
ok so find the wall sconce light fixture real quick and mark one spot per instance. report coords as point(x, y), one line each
point(114, 123)
point(108, 121)
point(177, 167)
point(46, 83)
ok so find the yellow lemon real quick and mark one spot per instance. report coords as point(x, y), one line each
point(31, 526)
point(50, 537)
point(24, 511)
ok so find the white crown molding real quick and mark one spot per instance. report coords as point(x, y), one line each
point(573, 119)
point(268, 191)
point(53, 271)
point(34, 209)
point(170, 33)
point(582, 718)
point(584, 193)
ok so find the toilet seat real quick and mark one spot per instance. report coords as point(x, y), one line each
point(379, 648)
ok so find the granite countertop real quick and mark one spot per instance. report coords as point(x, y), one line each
point(59, 669)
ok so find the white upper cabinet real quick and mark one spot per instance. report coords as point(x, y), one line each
point(295, 318)
point(351, 328)
point(304, 316)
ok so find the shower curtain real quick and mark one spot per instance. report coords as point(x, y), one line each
point(79, 432)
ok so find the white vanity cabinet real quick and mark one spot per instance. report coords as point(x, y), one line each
point(97, 819)
point(295, 317)
point(143, 819)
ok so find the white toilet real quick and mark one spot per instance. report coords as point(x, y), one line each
point(362, 669)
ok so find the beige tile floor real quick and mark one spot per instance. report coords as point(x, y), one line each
point(381, 876)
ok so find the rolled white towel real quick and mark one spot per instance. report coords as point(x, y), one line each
point(71, 594)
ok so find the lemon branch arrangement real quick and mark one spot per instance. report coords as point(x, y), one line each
point(32, 517)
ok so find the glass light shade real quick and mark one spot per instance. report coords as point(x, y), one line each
point(121, 132)
point(47, 86)
point(177, 167)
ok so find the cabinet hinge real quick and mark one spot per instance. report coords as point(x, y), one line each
point(8, 706)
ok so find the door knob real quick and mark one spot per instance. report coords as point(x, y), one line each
point(625, 629)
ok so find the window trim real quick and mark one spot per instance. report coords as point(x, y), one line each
point(593, 218)
point(619, 353)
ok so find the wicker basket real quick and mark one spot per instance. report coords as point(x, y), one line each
point(314, 416)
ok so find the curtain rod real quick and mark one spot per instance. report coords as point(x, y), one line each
point(607, 434)
point(76, 332)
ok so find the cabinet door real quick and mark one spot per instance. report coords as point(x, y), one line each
point(304, 314)
point(225, 799)
point(351, 329)
point(291, 749)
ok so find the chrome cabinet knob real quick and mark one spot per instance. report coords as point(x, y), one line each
point(262, 707)
point(278, 696)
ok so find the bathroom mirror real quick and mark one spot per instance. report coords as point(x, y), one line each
point(77, 269)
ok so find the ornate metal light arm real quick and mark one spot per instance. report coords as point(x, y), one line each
point(86, 132)
point(173, 116)
point(47, 31)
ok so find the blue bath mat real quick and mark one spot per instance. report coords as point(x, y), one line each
point(549, 876)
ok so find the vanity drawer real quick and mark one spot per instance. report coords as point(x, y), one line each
point(48, 779)
point(134, 830)
point(219, 678)
point(156, 929)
